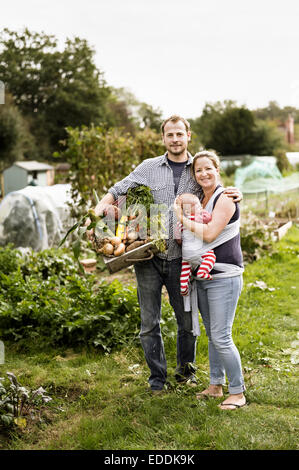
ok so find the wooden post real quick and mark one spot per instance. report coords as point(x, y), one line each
point(281, 231)
point(2, 186)
point(266, 193)
point(1, 352)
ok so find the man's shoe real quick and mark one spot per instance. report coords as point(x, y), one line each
point(191, 380)
point(186, 374)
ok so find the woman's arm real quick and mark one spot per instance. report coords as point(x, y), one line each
point(222, 213)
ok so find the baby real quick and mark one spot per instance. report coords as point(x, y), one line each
point(193, 210)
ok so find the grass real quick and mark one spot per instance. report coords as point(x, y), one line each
point(101, 401)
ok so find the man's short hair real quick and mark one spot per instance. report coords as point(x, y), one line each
point(175, 118)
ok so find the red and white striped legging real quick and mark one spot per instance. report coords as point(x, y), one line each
point(203, 272)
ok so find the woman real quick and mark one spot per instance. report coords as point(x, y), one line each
point(218, 298)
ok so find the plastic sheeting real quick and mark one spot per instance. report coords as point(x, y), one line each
point(260, 175)
point(271, 185)
point(35, 217)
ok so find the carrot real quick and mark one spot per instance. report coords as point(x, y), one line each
point(134, 245)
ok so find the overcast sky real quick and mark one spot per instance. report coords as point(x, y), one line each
point(176, 55)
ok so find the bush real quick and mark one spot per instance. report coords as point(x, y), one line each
point(256, 237)
point(99, 157)
point(8, 259)
point(282, 161)
point(44, 301)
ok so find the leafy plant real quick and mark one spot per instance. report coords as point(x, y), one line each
point(97, 224)
point(8, 259)
point(140, 195)
point(18, 402)
point(256, 237)
point(45, 301)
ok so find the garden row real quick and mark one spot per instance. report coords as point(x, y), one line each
point(45, 301)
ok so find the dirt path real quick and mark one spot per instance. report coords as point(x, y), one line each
point(125, 276)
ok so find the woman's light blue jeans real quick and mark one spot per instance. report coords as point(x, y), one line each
point(217, 300)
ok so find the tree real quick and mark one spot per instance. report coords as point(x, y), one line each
point(148, 144)
point(273, 112)
point(233, 130)
point(140, 114)
point(120, 115)
point(15, 138)
point(150, 117)
point(52, 88)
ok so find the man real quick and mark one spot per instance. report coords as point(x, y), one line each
point(167, 176)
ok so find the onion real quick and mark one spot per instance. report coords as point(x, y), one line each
point(115, 241)
point(108, 249)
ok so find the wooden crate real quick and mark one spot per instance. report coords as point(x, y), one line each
point(140, 254)
point(282, 230)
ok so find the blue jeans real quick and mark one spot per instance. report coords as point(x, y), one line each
point(217, 300)
point(151, 276)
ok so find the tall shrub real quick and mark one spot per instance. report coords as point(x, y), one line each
point(99, 157)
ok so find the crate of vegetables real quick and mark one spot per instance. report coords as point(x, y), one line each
point(122, 234)
point(132, 242)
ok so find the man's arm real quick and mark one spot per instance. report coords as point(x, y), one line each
point(139, 176)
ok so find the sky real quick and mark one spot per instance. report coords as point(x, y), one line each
point(177, 55)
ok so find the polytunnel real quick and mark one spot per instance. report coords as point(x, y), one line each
point(36, 217)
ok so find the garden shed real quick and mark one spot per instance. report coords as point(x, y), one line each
point(24, 173)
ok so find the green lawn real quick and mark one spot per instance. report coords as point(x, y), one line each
point(102, 401)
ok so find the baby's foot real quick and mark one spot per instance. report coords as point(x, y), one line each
point(185, 291)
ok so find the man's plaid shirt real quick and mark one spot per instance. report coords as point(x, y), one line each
point(156, 173)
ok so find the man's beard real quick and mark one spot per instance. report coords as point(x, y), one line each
point(177, 150)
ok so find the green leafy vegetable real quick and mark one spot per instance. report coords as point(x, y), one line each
point(140, 195)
